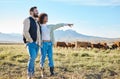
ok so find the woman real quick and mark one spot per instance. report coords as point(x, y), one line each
point(47, 41)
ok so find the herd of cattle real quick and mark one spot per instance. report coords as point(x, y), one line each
point(79, 44)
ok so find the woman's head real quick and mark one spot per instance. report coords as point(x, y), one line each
point(43, 18)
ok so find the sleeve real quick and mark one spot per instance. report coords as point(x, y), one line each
point(54, 27)
point(26, 28)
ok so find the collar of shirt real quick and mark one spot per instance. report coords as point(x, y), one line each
point(43, 24)
point(34, 18)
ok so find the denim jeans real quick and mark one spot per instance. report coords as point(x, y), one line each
point(46, 50)
point(33, 49)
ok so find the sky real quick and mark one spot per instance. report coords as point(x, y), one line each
point(90, 17)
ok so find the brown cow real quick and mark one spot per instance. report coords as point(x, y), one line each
point(114, 46)
point(60, 44)
point(83, 44)
point(96, 45)
point(117, 43)
point(104, 46)
point(71, 45)
point(100, 46)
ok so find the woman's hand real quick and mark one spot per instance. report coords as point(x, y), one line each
point(70, 25)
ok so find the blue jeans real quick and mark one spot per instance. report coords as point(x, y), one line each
point(33, 49)
point(46, 50)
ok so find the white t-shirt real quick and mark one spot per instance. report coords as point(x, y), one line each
point(45, 32)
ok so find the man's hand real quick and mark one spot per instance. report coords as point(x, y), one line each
point(70, 25)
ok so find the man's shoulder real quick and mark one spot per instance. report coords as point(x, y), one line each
point(26, 19)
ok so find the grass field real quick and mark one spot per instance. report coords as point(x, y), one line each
point(69, 63)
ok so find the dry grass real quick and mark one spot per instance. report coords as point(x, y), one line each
point(69, 63)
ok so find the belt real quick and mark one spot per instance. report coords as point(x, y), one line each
point(46, 40)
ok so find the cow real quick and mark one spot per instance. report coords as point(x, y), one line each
point(71, 45)
point(60, 44)
point(114, 46)
point(100, 46)
point(117, 43)
point(96, 45)
point(104, 45)
point(82, 44)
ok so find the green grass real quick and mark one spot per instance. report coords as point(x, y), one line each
point(69, 63)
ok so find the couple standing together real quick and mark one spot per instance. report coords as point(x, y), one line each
point(38, 35)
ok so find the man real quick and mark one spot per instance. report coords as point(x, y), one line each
point(31, 33)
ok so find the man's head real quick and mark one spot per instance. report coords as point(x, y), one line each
point(34, 12)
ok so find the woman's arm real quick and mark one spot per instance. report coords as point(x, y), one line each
point(54, 27)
